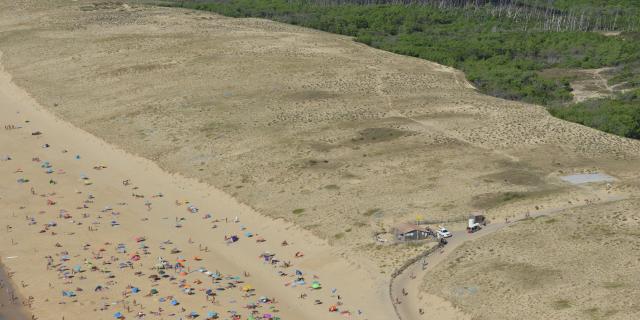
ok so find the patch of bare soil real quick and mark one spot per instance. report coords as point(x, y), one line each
point(586, 83)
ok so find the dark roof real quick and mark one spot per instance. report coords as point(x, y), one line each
point(408, 227)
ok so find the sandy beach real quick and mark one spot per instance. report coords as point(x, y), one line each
point(94, 232)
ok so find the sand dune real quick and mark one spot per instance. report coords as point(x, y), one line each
point(336, 141)
point(298, 124)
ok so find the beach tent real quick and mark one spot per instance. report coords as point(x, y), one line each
point(212, 315)
point(68, 293)
point(247, 288)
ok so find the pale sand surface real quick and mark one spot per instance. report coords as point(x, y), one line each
point(157, 225)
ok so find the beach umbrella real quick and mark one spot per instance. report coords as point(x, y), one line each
point(174, 302)
point(118, 315)
point(154, 291)
point(135, 290)
point(316, 285)
point(77, 268)
point(267, 316)
point(68, 293)
point(212, 315)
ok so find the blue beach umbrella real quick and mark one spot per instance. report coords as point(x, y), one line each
point(212, 315)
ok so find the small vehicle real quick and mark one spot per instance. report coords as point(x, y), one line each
point(443, 232)
point(475, 223)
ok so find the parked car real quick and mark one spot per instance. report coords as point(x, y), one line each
point(443, 232)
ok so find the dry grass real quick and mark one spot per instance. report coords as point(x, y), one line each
point(581, 264)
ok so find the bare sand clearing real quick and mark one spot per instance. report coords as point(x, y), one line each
point(337, 138)
point(81, 211)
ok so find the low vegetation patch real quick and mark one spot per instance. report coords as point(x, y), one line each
point(619, 115)
point(492, 200)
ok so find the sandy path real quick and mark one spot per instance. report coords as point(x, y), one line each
point(156, 225)
point(436, 307)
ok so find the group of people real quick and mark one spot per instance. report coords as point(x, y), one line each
point(150, 285)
